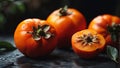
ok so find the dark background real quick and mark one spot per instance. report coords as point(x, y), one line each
point(42, 8)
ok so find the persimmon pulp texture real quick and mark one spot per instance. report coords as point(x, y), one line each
point(87, 43)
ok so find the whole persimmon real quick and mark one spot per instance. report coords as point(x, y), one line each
point(101, 23)
point(66, 22)
point(35, 38)
point(87, 43)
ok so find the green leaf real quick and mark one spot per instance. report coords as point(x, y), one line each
point(20, 6)
point(2, 21)
point(112, 53)
point(12, 9)
point(6, 46)
point(2, 18)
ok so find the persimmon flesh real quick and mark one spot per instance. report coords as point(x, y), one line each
point(87, 43)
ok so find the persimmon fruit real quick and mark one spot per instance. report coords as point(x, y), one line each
point(100, 24)
point(87, 43)
point(66, 22)
point(35, 38)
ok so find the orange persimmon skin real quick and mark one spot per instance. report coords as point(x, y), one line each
point(25, 42)
point(66, 25)
point(87, 51)
point(100, 24)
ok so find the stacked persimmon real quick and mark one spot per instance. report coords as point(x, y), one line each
point(64, 27)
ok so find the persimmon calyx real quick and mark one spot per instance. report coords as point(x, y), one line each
point(63, 11)
point(87, 39)
point(41, 31)
point(114, 31)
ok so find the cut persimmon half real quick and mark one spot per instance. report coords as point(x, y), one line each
point(87, 43)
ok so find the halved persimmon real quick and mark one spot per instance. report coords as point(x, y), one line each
point(87, 43)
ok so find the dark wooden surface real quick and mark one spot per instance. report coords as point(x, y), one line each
point(57, 59)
